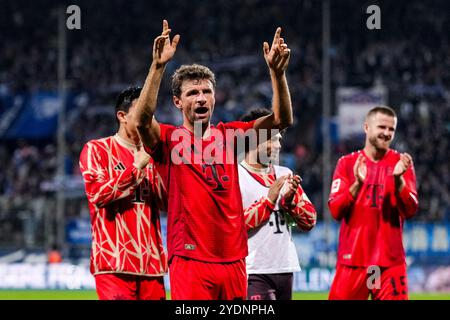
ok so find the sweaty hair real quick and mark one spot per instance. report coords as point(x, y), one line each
point(125, 99)
point(191, 72)
point(383, 110)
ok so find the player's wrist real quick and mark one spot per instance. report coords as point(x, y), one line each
point(287, 203)
point(158, 65)
point(270, 202)
point(140, 167)
point(399, 183)
point(278, 74)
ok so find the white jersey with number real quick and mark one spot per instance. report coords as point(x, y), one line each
point(270, 246)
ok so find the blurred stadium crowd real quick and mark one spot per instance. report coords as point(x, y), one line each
point(410, 56)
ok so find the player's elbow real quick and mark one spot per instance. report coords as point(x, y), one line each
point(411, 212)
point(308, 226)
point(97, 203)
point(283, 122)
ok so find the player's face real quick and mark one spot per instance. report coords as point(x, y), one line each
point(127, 119)
point(196, 100)
point(380, 130)
point(270, 150)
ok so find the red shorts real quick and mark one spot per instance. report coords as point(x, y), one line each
point(357, 283)
point(197, 280)
point(116, 286)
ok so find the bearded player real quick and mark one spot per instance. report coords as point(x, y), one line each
point(372, 193)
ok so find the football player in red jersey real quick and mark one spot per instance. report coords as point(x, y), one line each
point(372, 193)
point(124, 192)
point(207, 238)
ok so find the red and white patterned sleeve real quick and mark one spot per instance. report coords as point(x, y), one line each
point(101, 189)
point(258, 213)
point(159, 189)
point(301, 210)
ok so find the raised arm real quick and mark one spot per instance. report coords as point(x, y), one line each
point(163, 51)
point(277, 59)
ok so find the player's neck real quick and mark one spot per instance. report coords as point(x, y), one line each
point(128, 138)
point(373, 153)
point(198, 129)
point(251, 159)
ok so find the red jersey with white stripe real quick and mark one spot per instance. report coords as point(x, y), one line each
point(372, 224)
point(205, 214)
point(123, 202)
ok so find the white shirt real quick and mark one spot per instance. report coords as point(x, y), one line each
point(271, 248)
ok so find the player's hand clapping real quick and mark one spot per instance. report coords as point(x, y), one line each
point(360, 169)
point(402, 165)
point(292, 186)
point(275, 188)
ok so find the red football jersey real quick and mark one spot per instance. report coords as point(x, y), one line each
point(205, 214)
point(123, 202)
point(372, 224)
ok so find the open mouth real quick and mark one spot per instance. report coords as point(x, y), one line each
point(201, 110)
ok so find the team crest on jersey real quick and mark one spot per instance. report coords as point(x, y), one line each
point(189, 246)
point(335, 185)
point(119, 167)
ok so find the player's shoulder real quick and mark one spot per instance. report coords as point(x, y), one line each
point(98, 142)
point(232, 124)
point(394, 153)
point(352, 156)
point(98, 146)
point(282, 170)
point(169, 128)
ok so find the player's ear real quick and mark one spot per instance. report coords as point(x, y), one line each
point(366, 126)
point(121, 116)
point(177, 102)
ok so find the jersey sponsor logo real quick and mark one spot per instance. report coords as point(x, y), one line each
point(347, 256)
point(335, 185)
point(189, 246)
point(215, 174)
point(119, 167)
point(279, 221)
point(376, 195)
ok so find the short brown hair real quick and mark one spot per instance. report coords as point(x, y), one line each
point(383, 110)
point(191, 72)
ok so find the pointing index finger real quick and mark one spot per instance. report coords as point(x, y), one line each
point(276, 37)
